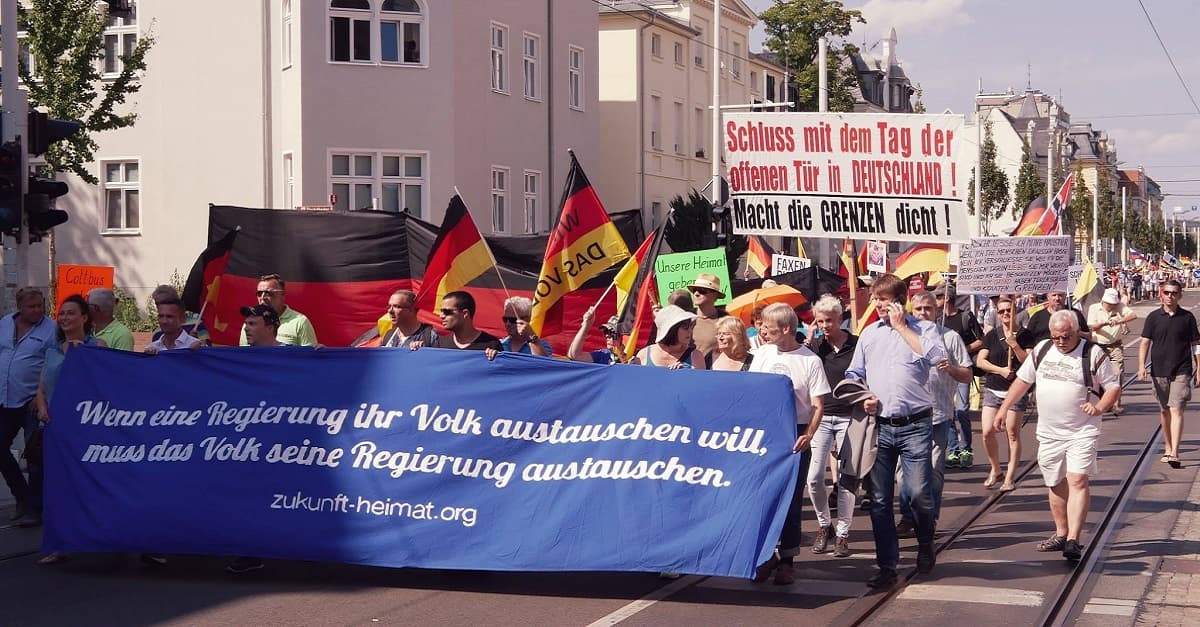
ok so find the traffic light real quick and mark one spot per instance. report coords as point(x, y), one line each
point(44, 131)
point(11, 193)
point(39, 207)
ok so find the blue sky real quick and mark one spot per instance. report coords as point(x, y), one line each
point(1100, 55)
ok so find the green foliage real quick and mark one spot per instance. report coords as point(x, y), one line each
point(1079, 208)
point(66, 41)
point(690, 228)
point(128, 313)
point(1029, 183)
point(1109, 212)
point(993, 196)
point(919, 106)
point(793, 28)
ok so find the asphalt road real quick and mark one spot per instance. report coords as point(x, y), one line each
point(994, 562)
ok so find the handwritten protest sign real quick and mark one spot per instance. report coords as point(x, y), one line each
point(432, 458)
point(877, 256)
point(783, 264)
point(74, 279)
point(1002, 265)
point(678, 270)
point(858, 175)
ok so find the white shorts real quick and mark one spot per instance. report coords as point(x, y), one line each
point(1056, 458)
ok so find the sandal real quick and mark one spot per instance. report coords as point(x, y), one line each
point(1007, 487)
point(1174, 462)
point(1053, 544)
point(991, 480)
point(1165, 459)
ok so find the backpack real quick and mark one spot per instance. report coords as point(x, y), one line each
point(1089, 374)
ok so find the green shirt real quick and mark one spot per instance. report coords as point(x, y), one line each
point(294, 330)
point(116, 335)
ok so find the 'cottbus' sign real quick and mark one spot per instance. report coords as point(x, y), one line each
point(431, 458)
point(859, 175)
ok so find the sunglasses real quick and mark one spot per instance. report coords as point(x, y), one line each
point(1003, 311)
point(1170, 293)
point(448, 312)
point(702, 290)
point(268, 292)
point(509, 320)
point(1060, 338)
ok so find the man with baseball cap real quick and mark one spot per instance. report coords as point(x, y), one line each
point(1108, 320)
point(706, 291)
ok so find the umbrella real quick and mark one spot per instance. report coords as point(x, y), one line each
point(743, 306)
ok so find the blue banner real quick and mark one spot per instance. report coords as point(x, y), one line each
point(431, 459)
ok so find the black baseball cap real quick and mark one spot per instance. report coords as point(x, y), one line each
point(266, 312)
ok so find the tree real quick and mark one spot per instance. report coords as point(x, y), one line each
point(691, 228)
point(1080, 204)
point(66, 42)
point(993, 195)
point(919, 106)
point(793, 28)
point(1110, 214)
point(1029, 182)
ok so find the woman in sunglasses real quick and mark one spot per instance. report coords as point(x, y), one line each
point(521, 338)
point(673, 347)
point(1000, 357)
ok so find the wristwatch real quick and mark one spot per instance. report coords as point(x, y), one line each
point(532, 338)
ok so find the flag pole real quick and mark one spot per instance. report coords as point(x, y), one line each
point(486, 247)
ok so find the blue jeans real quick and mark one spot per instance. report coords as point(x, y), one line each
point(909, 447)
point(14, 420)
point(789, 537)
point(941, 435)
point(962, 418)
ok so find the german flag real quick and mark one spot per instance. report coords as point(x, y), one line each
point(1038, 219)
point(204, 281)
point(758, 255)
point(923, 258)
point(850, 267)
point(638, 273)
point(459, 256)
point(627, 277)
point(583, 244)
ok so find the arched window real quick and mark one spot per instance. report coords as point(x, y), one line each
point(401, 40)
point(350, 30)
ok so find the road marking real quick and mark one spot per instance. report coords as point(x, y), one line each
point(972, 594)
point(1017, 563)
point(646, 601)
point(1111, 607)
point(807, 587)
point(948, 492)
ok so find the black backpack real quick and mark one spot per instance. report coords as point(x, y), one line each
point(1089, 374)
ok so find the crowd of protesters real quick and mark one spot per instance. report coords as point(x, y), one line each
point(883, 413)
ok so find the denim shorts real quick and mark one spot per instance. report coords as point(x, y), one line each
point(991, 400)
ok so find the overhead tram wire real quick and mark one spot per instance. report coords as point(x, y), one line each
point(1178, 75)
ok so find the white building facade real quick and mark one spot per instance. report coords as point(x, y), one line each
point(349, 104)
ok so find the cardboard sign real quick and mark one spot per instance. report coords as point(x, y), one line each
point(877, 256)
point(678, 270)
point(80, 280)
point(858, 175)
point(782, 264)
point(1005, 265)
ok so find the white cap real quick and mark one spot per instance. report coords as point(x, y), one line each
point(1111, 297)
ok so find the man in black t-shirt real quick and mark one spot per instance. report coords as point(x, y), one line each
point(1039, 323)
point(1169, 336)
point(458, 316)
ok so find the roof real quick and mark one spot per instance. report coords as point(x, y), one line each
point(639, 10)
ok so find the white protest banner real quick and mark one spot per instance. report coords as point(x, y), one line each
point(1074, 271)
point(1003, 265)
point(782, 264)
point(858, 175)
point(877, 256)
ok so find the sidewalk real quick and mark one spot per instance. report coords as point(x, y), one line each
point(1174, 594)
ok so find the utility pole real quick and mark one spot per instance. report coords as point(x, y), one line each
point(1124, 249)
point(715, 192)
point(15, 119)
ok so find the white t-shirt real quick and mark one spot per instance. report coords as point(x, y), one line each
point(183, 341)
point(1060, 391)
point(942, 386)
point(803, 367)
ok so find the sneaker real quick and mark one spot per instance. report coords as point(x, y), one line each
point(966, 459)
point(244, 565)
point(53, 558)
point(1053, 544)
point(841, 547)
point(885, 578)
point(1072, 550)
point(785, 574)
point(766, 569)
point(906, 529)
point(926, 558)
point(669, 574)
point(952, 459)
point(822, 542)
point(154, 559)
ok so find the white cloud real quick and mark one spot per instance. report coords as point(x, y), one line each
point(914, 16)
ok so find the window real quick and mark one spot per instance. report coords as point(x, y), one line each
point(699, 132)
point(499, 199)
point(754, 81)
point(499, 68)
point(678, 53)
point(350, 30)
point(736, 61)
point(656, 122)
point(289, 181)
point(530, 49)
point(770, 88)
point(400, 23)
point(678, 123)
point(698, 44)
point(656, 45)
point(388, 181)
point(120, 38)
point(285, 35)
point(575, 78)
point(532, 187)
point(121, 182)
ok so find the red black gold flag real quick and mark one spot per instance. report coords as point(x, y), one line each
point(459, 256)
point(204, 281)
point(758, 255)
